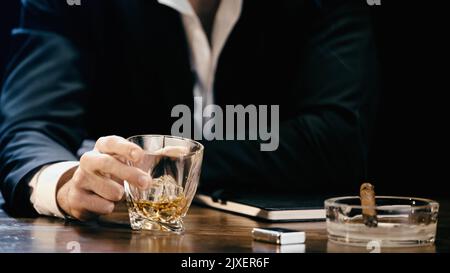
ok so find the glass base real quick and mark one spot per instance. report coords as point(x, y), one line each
point(138, 222)
point(359, 242)
point(386, 234)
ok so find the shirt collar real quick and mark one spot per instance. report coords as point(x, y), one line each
point(182, 6)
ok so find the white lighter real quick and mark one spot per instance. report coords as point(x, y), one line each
point(279, 236)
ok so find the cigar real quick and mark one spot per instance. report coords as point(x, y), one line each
point(367, 194)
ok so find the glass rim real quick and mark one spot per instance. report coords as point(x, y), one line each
point(201, 147)
point(335, 202)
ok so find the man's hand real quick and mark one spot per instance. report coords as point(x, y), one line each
point(97, 183)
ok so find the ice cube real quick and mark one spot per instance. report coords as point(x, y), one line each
point(165, 188)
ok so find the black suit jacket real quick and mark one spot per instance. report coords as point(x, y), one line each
point(119, 67)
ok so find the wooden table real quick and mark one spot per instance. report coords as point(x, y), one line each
point(207, 230)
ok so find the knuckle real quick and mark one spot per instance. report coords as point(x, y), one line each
point(105, 142)
point(130, 149)
point(108, 141)
point(86, 158)
point(101, 141)
point(79, 176)
point(83, 159)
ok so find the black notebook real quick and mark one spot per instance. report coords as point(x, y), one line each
point(271, 207)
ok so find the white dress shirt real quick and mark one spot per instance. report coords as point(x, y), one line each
point(203, 57)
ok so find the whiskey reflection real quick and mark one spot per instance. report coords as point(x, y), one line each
point(111, 234)
point(145, 241)
point(91, 237)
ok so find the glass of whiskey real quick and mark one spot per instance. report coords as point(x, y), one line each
point(174, 163)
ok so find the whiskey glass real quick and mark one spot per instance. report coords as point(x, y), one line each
point(174, 164)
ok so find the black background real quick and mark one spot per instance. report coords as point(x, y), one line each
point(410, 148)
point(409, 152)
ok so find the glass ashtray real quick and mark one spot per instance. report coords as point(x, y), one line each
point(402, 221)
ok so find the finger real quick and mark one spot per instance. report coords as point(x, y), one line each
point(124, 161)
point(88, 202)
point(95, 163)
point(104, 187)
point(115, 145)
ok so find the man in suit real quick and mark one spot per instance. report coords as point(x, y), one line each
point(104, 69)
